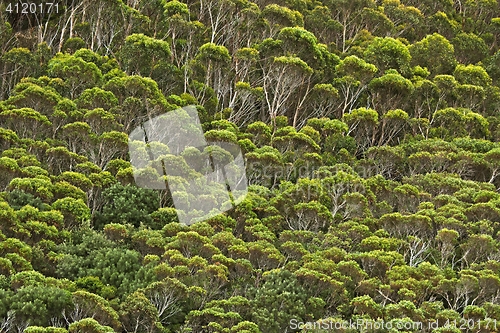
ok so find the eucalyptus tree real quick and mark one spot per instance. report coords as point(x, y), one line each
point(283, 77)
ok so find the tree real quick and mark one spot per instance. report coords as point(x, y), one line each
point(365, 305)
point(447, 245)
point(75, 211)
point(36, 305)
point(139, 99)
point(451, 118)
point(349, 15)
point(209, 64)
point(386, 161)
point(393, 123)
point(184, 35)
point(370, 134)
point(434, 52)
point(224, 314)
point(168, 297)
point(278, 17)
point(89, 325)
point(19, 61)
point(119, 268)
point(280, 298)
point(321, 102)
point(214, 14)
point(377, 22)
point(26, 122)
point(492, 157)
point(297, 38)
point(89, 305)
point(471, 74)
point(388, 53)
point(101, 121)
point(95, 98)
point(469, 48)
point(390, 91)
point(356, 73)
point(320, 278)
point(127, 204)
point(491, 66)
point(283, 78)
point(39, 186)
point(9, 170)
point(245, 97)
point(34, 96)
point(408, 19)
point(321, 23)
point(77, 73)
point(478, 248)
point(7, 138)
point(447, 91)
point(112, 144)
point(362, 123)
point(138, 314)
point(142, 54)
point(309, 216)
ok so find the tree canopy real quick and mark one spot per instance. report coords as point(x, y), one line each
point(370, 134)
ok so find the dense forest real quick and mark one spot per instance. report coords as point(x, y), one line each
point(370, 134)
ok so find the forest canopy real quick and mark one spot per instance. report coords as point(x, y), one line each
point(369, 129)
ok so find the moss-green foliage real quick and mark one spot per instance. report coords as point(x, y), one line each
point(370, 132)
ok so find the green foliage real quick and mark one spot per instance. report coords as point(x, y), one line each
point(435, 53)
point(469, 48)
point(37, 304)
point(387, 53)
point(280, 298)
point(89, 325)
point(75, 211)
point(143, 55)
point(77, 73)
point(93, 255)
point(127, 204)
point(369, 130)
